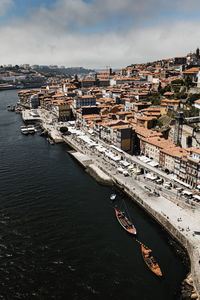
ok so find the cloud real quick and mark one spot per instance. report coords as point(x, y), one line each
point(96, 50)
point(84, 13)
point(4, 6)
point(48, 36)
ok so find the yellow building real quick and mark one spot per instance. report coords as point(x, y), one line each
point(146, 122)
point(62, 109)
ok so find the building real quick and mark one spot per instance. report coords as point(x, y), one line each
point(62, 109)
point(192, 73)
point(87, 100)
point(124, 138)
point(151, 146)
point(180, 60)
point(147, 122)
point(169, 104)
point(168, 157)
point(193, 167)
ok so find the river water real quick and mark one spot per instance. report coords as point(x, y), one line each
point(59, 237)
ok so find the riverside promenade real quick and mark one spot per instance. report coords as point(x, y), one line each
point(180, 220)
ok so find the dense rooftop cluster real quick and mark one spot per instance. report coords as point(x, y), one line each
point(132, 109)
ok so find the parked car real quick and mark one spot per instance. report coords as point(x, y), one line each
point(147, 188)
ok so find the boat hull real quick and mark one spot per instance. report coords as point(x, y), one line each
point(125, 223)
point(149, 260)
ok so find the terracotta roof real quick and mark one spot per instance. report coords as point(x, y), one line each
point(159, 142)
point(195, 150)
point(191, 71)
point(171, 101)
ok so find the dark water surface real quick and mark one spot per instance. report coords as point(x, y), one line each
point(59, 237)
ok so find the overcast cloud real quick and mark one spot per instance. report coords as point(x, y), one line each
point(99, 33)
point(4, 6)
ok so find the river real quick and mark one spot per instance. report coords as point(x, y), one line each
point(59, 236)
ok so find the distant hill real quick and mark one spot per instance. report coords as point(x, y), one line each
point(68, 72)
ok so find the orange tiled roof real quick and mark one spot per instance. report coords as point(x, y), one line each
point(191, 70)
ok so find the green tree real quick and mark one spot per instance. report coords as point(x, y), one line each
point(63, 129)
point(188, 82)
point(192, 98)
point(155, 98)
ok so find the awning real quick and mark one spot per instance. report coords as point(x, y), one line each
point(150, 176)
point(92, 144)
point(153, 163)
point(186, 192)
point(116, 158)
point(71, 122)
point(87, 140)
point(72, 130)
point(116, 148)
point(124, 163)
point(181, 182)
point(125, 173)
point(130, 167)
point(100, 149)
point(144, 159)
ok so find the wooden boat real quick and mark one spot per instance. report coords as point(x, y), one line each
point(124, 222)
point(150, 260)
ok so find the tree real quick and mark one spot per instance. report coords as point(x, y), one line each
point(177, 81)
point(192, 97)
point(188, 82)
point(64, 129)
point(154, 98)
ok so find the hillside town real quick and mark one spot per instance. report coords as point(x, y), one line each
point(149, 109)
point(34, 76)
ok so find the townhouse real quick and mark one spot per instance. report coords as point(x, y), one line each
point(86, 100)
point(151, 147)
point(168, 156)
point(193, 168)
point(169, 105)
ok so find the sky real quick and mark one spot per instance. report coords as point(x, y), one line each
point(97, 33)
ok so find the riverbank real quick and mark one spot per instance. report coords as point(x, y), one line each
point(174, 218)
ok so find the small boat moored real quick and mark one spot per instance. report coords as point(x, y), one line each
point(150, 260)
point(124, 222)
point(24, 130)
point(31, 129)
point(28, 129)
point(11, 108)
point(113, 196)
